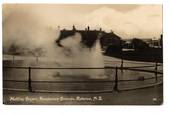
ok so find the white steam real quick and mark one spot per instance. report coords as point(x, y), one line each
point(33, 37)
point(23, 30)
point(81, 56)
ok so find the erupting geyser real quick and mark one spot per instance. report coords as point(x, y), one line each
point(80, 55)
point(27, 36)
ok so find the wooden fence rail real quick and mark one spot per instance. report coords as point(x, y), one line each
point(115, 81)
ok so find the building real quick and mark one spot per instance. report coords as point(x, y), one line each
point(152, 42)
point(90, 36)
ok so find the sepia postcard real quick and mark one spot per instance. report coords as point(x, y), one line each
point(82, 54)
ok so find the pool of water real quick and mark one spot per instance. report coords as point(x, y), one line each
point(127, 78)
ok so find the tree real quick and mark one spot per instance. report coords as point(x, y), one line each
point(139, 44)
point(37, 52)
point(13, 49)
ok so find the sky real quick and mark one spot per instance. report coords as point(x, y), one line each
point(127, 21)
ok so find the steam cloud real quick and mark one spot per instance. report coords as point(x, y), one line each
point(26, 33)
point(32, 36)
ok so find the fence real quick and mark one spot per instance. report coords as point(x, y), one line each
point(115, 82)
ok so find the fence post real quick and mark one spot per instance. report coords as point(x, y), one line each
point(13, 59)
point(156, 71)
point(116, 81)
point(29, 80)
point(121, 65)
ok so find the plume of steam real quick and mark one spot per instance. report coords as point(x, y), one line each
point(80, 55)
point(26, 34)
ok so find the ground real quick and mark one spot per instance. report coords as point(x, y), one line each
point(152, 95)
point(147, 96)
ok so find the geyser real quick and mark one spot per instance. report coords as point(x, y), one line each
point(81, 55)
point(26, 34)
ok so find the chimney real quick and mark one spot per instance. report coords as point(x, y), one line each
point(74, 28)
point(88, 28)
point(111, 31)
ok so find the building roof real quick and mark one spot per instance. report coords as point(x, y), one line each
point(88, 36)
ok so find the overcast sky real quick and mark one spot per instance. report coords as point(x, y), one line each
point(128, 21)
